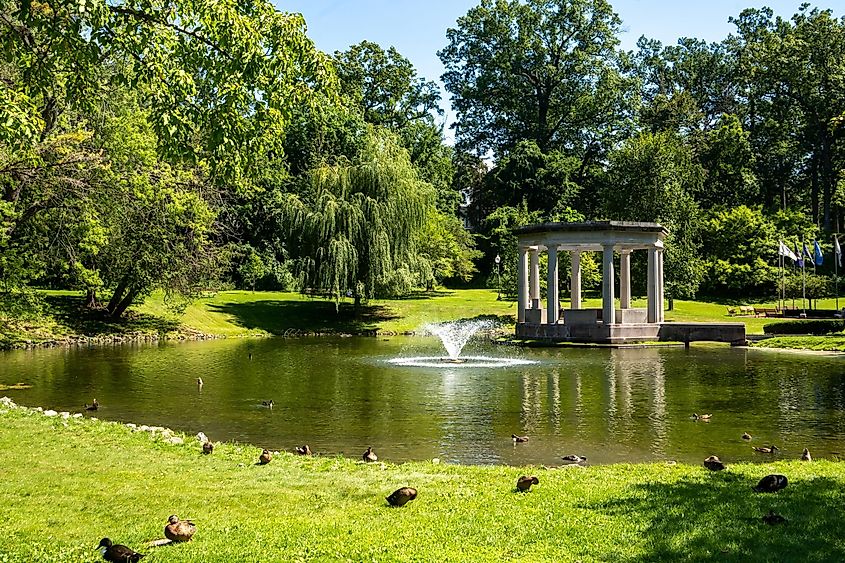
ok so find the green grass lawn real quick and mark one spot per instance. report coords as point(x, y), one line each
point(66, 484)
point(246, 313)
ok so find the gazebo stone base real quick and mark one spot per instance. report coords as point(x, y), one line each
point(600, 333)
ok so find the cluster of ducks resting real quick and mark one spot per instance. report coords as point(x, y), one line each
point(175, 531)
point(771, 483)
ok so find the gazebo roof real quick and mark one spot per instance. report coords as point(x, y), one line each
point(592, 226)
point(593, 235)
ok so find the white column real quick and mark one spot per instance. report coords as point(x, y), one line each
point(552, 302)
point(607, 293)
point(522, 284)
point(651, 285)
point(535, 278)
point(575, 286)
point(625, 279)
point(661, 314)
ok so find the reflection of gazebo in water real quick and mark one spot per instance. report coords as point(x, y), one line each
point(607, 324)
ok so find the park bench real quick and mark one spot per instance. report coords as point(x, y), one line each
point(767, 311)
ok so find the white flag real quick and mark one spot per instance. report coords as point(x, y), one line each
point(783, 250)
point(837, 250)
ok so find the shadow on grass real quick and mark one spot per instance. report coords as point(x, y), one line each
point(420, 295)
point(70, 311)
point(314, 316)
point(719, 518)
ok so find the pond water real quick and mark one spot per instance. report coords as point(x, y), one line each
point(340, 395)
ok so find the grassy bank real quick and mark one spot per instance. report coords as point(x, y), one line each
point(67, 483)
point(245, 313)
point(831, 343)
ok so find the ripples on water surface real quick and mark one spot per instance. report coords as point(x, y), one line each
point(341, 395)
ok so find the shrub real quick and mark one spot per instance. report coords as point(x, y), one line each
point(805, 326)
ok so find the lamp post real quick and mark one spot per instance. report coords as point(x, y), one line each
point(499, 276)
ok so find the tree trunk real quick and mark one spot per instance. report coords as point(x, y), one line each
point(90, 298)
point(124, 304)
point(117, 296)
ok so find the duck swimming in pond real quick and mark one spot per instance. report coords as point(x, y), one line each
point(523, 484)
point(370, 455)
point(573, 458)
point(265, 457)
point(746, 436)
point(303, 450)
point(400, 497)
point(117, 553)
point(93, 406)
point(519, 439)
point(199, 382)
point(767, 450)
point(179, 530)
point(268, 404)
point(806, 455)
point(704, 417)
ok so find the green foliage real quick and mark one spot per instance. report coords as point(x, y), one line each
point(741, 248)
point(728, 159)
point(358, 225)
point(651, 178)
point(805, 326)
point(448, 248)
point(541, 70)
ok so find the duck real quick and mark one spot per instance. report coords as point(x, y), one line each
point(746, 436)
point(268, 404)
point(805, 456)
point(523, 484)
point(179, 530)
point(117, 553)
point(519, 439)
point(713, 463)
point(773, 518)
point(93, 406)
point(199, 382)
point(704, 417)
point(773, 449)
point(573, 458)
point(771, 483)
point(250, 355)
point(303, 450)
point(402, 496)
point(370, 456)
point(207, 448)
point(265, 457)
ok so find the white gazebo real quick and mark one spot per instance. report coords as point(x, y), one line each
point(607, 324)
point(577, 323)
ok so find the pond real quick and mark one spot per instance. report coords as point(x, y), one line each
point(340, 395)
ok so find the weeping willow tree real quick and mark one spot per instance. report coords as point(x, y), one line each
point(355, 231)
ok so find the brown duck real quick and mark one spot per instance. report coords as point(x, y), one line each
point(771, 484)
point(303, 450)
point(207, 448)
point(704, 417)
point(400, 497)
point(370, 456)
point(519, 439)
point(713, 463)
point(265, 457)
point(179, 530)
point(117, 553)
point(773, 449)
point(806, 455)
point(93, 406)
point(523, 484)
point(746, 436)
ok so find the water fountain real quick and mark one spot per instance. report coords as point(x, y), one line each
point(454, 336)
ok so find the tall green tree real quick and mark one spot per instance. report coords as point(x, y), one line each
point(540, 70)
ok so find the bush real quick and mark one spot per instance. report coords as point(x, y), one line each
point(805, 326)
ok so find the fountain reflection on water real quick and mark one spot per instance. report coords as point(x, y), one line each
point(454, 336)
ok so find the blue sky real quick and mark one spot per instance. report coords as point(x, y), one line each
point(418, 29)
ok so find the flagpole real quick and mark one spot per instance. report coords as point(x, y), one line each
point(836, 269)
point(803, 281)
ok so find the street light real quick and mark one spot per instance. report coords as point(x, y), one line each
point(499, 276)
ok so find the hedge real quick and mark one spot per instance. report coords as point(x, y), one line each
point(805, 326)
